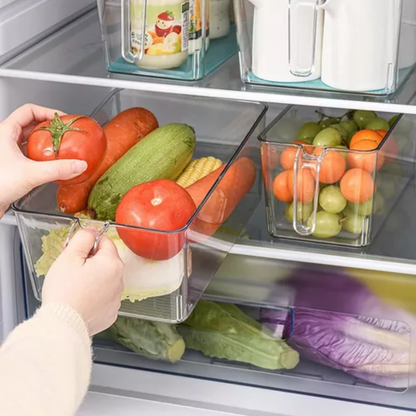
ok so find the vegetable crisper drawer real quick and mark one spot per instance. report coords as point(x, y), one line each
point(165, 290)
point(329, 331)
point(340, 194)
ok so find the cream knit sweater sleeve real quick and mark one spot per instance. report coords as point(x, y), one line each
point(45, 365)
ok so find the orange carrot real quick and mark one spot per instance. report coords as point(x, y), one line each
point(122, 132)
point(230, 191)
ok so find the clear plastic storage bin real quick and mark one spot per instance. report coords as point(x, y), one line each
point(338, 195)
point(164, 290)
point(177, 37)
point(364, 46)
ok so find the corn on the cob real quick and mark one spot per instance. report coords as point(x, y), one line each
point(198, 169)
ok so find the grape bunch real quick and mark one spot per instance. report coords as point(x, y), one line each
point(344, 148)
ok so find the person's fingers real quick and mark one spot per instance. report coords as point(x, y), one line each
point(29, 113)
point(64, 169)
point(106, 246)
point(26, 131)
point(82, 243)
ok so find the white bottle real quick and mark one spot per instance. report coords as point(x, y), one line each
point(283, 52)
point(360, 44)
point(219, 12)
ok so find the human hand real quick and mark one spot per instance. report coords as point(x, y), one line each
point(18, 174)
point(90, 285)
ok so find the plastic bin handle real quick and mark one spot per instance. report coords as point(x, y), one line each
point(302, 36)
point(303, 160)
point(126, 32)
point(76, 224)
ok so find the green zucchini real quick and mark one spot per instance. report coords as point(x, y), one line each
point(162, 154)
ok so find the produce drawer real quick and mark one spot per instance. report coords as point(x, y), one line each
point(330, 180)
point(165, 290)
point(336, 332)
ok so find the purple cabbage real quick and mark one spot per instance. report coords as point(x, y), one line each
point(338, 322)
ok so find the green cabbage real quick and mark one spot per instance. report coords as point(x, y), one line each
point(143, 278)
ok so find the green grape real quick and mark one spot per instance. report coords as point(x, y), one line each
point(362, 117)
point(350, 127)
point(328, 137)
point(353, 223)
point(393, 120)
point(331, 200)
point(363, 210)
point(328, 122)
point(304, 212)
point(327, 225)
point(343, 132)
point(393, 169)
point(341, 146)
point(404, 145)
point(387, 186)
point(377, 123)
point(378, 203)
point(308, 132)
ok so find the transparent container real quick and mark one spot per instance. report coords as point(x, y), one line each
point(314, 44)
point(176, 33)
point(322, 330)
point(337, 195)
point(164, 290)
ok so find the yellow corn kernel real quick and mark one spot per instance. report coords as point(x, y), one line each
point(198, 169)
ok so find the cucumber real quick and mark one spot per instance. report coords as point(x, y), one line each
point(162, 154)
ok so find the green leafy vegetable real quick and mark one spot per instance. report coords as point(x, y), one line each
point(143, 278)
point(155, 340)
point(224, 331)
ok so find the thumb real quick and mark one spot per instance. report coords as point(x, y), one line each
point(44, 172)
point(82, 243)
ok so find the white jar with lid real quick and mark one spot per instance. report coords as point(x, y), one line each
point(165, 27)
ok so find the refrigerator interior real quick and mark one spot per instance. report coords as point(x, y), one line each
point(258, 270)
point(251, 281)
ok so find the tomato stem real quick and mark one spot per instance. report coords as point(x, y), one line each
point(58, 128)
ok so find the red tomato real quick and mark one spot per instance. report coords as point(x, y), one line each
point(77, 137)
point(157, 205)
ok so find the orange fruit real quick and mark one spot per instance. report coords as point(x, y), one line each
point(333, 166)
point(305, 185)
point(287, 159)
point(365, 160)
point(389, 149)
point(365, 135)
point(357, 186)
point(280, 186)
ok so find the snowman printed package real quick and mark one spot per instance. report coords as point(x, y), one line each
point(166, 34)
